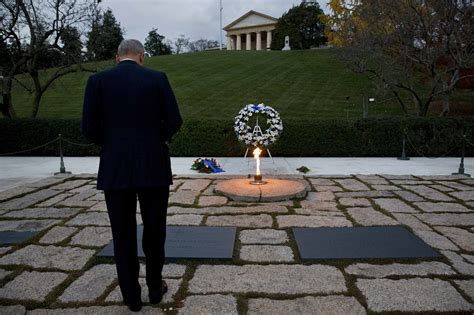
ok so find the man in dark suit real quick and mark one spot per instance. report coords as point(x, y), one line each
point(131, 112)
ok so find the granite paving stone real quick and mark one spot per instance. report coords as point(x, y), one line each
point(311, 211)
point(467, 286)
point(459, 263)
point(321, 182)
point(12, 310)
point(4, 273)
point(408, 196)
point(413, 295)
point(372, 179)
point(469, 258)
point(4, 250)
point(455, 185)
point(95, 310)
point(48, 181)
point(365, 194)
point(333, 304)
point(81, 189)
point(319, 205)
point(405, 177)
point(26, 225)
point(15, 192)
point(327, 188)
point(169, 270)
point(436, 240)
point(271, 208)
point(386, 187)
point(97, 197)
point(447, 219)
point(411, 221)
point(442, 177)
point(464, 195)
point(43, 213)
point(184, 197)
point(352, 184)
point(58, 234)
point(266, 253)
point(100, 207)
point(28, 200)
point(53, 201)
point(90, 218)
point(33, 285)
point(215, 304)
point(411, 182)
point(184, 219)
point(291, 279)
point(176, 184)
point(463, 238)
point(92, 236)
point(354, 202)
point(71, 184)
point(394, 205)
point(382, 271)
point(263, 236)
point(428, 192)
point(441, 207)
point(441, 188)
point(74, 203)
point(195, 184)
point(90, 285)
point(368, 216)
point(205, 201)
point(320, 196)
point(254, 221)
point(285, 221)
point(63, 258)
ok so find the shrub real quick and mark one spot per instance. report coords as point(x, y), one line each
point(310, 138)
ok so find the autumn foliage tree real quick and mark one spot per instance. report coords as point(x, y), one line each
point(412, 49)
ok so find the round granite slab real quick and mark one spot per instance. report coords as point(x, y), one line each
point(274, 190)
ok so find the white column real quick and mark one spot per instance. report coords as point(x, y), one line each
point(249, 41)
point(259, 40)
point(269, 39)
point(239, 42)
point(229, 42)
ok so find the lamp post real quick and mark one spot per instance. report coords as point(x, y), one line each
point(220, 29)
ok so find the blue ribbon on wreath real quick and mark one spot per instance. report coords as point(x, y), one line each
point(212, 166)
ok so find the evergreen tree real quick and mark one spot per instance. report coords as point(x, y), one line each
point(155, 45)
point(304, 26)
point(104, 37)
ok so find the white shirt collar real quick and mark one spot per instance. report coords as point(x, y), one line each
point(124, 59)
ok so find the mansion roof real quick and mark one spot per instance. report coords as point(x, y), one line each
point(251, 19)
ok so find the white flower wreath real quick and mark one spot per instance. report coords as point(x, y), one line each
point(252, 136)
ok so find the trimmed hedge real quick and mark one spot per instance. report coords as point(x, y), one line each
point(309, 138)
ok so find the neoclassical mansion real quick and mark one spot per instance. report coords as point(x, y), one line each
point(252, 31)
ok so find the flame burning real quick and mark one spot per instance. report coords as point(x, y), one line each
point(256, 155)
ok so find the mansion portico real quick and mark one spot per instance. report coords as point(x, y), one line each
point(252, 31)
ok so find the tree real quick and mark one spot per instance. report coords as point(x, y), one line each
point(415, 50)
point(304, 26)
point(31, 33)
point(180, 44)
point(202, 44)
point(155, 44)
point(105, 36)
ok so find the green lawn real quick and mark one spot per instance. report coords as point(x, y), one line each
point(216, 85)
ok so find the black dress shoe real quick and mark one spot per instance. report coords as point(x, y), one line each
point(157, 295)
point(135, 306)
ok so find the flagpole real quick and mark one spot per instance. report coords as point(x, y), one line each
point(220, 30)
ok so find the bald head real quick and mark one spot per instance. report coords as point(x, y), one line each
point(131, 49)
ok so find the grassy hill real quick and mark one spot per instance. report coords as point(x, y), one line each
point(216, 85)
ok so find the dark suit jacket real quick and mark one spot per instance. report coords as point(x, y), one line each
point(131, 112)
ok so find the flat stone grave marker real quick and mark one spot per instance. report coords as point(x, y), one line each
point(360, 243)
point(14, 237)
point(192, 242)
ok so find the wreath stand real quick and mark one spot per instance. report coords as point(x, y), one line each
point(257, 131)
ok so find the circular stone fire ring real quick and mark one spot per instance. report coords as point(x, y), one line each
point(273, 190)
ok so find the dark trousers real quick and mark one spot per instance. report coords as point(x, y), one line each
point(121, 206)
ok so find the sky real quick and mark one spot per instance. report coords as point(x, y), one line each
point(194, 18)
